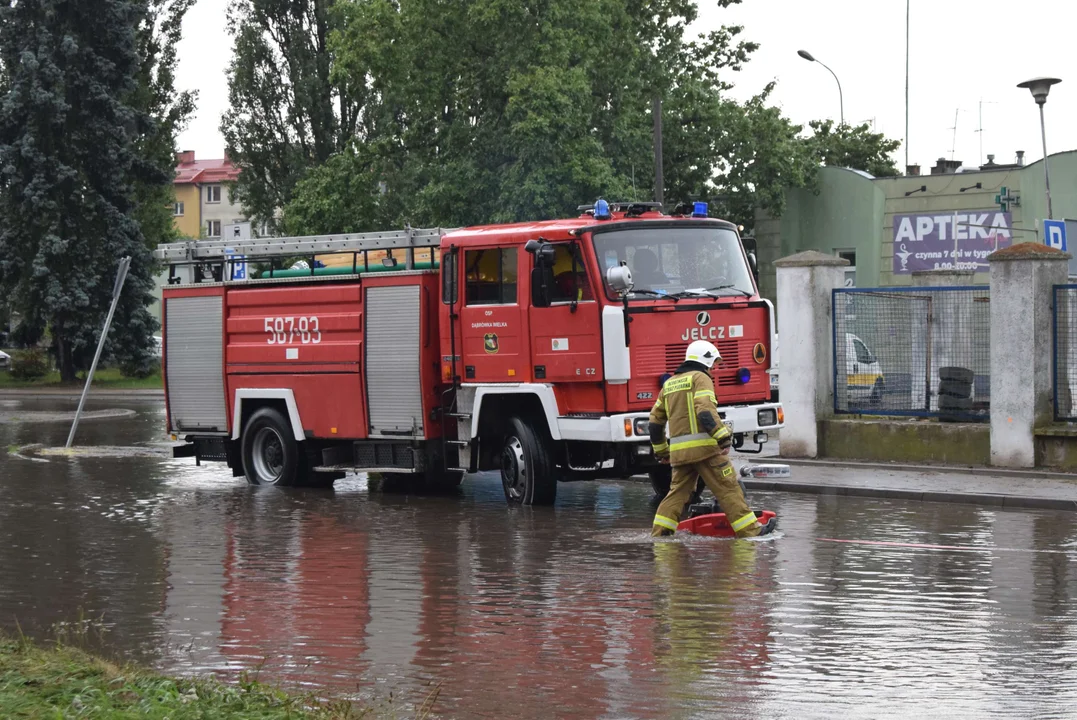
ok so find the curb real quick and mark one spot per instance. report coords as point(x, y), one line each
point(1003, 501)
point(907, 467)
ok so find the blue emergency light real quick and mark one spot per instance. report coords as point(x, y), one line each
point(699, 209)
point(602, 210)
point(744, 375)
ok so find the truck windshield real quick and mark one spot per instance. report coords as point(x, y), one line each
point(678, 261)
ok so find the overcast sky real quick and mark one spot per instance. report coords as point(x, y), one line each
point(963, 51)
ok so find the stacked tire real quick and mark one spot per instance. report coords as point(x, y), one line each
point(955, 393)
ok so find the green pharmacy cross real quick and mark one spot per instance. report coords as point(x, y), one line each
point(1004, 199)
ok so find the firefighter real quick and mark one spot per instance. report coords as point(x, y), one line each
point(698, 445)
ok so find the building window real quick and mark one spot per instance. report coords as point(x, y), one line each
point(177, 209)
point(850, 272)
point(213, 228)
point(213, 193)
point(491, 276)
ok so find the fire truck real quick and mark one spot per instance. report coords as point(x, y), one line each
point(533, 349)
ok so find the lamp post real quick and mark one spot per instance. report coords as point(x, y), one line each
point(1039, 87)
point(808, 56)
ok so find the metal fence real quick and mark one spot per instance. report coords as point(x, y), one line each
point(1064, 339)
point(923, 352)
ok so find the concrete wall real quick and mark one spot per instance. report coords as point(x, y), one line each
point(842, 215)
point(909, 441)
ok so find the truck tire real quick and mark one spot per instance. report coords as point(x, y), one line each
point(956, 389)
point(662, 478)
point(957, 374)
point(528, 473)
point(271, 456)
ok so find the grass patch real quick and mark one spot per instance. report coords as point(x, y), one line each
point(64, 682)
point(103, 378)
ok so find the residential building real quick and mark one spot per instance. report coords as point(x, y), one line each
point(204, 203)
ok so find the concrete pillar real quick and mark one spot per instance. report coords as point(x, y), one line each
point(805, 324)
point(1023, 277)
point(949, 325)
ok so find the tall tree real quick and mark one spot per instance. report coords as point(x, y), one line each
point(69, 153)
point(286, 114)
point(499, 110)
point(854, 147)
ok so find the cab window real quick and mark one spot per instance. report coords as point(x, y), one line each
point(863, 355)
point(490, 276)
point(569, 277)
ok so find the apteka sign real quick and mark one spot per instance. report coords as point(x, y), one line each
point(949, 241)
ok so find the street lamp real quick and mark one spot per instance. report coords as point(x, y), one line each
point(1039, 88)
point(808, 56)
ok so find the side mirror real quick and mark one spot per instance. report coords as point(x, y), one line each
point(619, 278)
point(542, 250)
point(753, 263)
point(541, 283)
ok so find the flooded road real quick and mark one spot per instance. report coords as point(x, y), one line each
point(567, 612)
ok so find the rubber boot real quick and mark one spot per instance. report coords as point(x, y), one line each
point(770, 526)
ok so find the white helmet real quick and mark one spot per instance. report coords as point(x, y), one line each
point(703, 352)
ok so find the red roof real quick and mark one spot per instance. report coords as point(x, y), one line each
point(205, 171)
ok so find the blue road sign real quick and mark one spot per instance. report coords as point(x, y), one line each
point(1054, 234)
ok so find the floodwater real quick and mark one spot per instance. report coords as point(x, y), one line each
point(569, 612)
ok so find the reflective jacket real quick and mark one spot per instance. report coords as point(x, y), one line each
point(688, 404)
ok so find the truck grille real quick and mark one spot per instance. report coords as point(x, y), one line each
point(735, 354)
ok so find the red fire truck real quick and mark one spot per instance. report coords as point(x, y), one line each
point(536, 349)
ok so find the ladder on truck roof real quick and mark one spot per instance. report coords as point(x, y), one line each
point(217, 253)
point(206, 250)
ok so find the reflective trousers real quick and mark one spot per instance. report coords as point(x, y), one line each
point(718, 474)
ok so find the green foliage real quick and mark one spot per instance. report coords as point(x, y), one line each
point(30, 364)
point(286, 111)
point(853, 147)
point(456, 113)
point(86, 135)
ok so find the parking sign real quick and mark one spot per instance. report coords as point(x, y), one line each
point(1054, 234)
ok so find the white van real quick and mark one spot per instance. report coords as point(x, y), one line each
point(864, 375)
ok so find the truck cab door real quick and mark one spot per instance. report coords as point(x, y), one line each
point(493, 339)
point(566, 329)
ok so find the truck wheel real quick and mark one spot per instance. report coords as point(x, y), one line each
point(662, 479)
point(270, 452)
point(528, 474)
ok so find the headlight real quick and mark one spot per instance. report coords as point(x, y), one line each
point(643, 426)
point(767, 417)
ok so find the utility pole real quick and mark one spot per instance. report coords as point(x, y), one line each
point(117, 289)
point(953, 146)
point(980, 130)
point(659, 181)
point(907, 4)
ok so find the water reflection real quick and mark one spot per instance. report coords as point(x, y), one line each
point(563, 612)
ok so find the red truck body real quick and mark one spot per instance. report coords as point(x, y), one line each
point(423, 372)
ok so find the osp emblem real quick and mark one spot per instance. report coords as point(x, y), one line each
point(703, 318)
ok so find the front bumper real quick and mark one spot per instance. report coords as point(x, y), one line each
point(743, 419)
